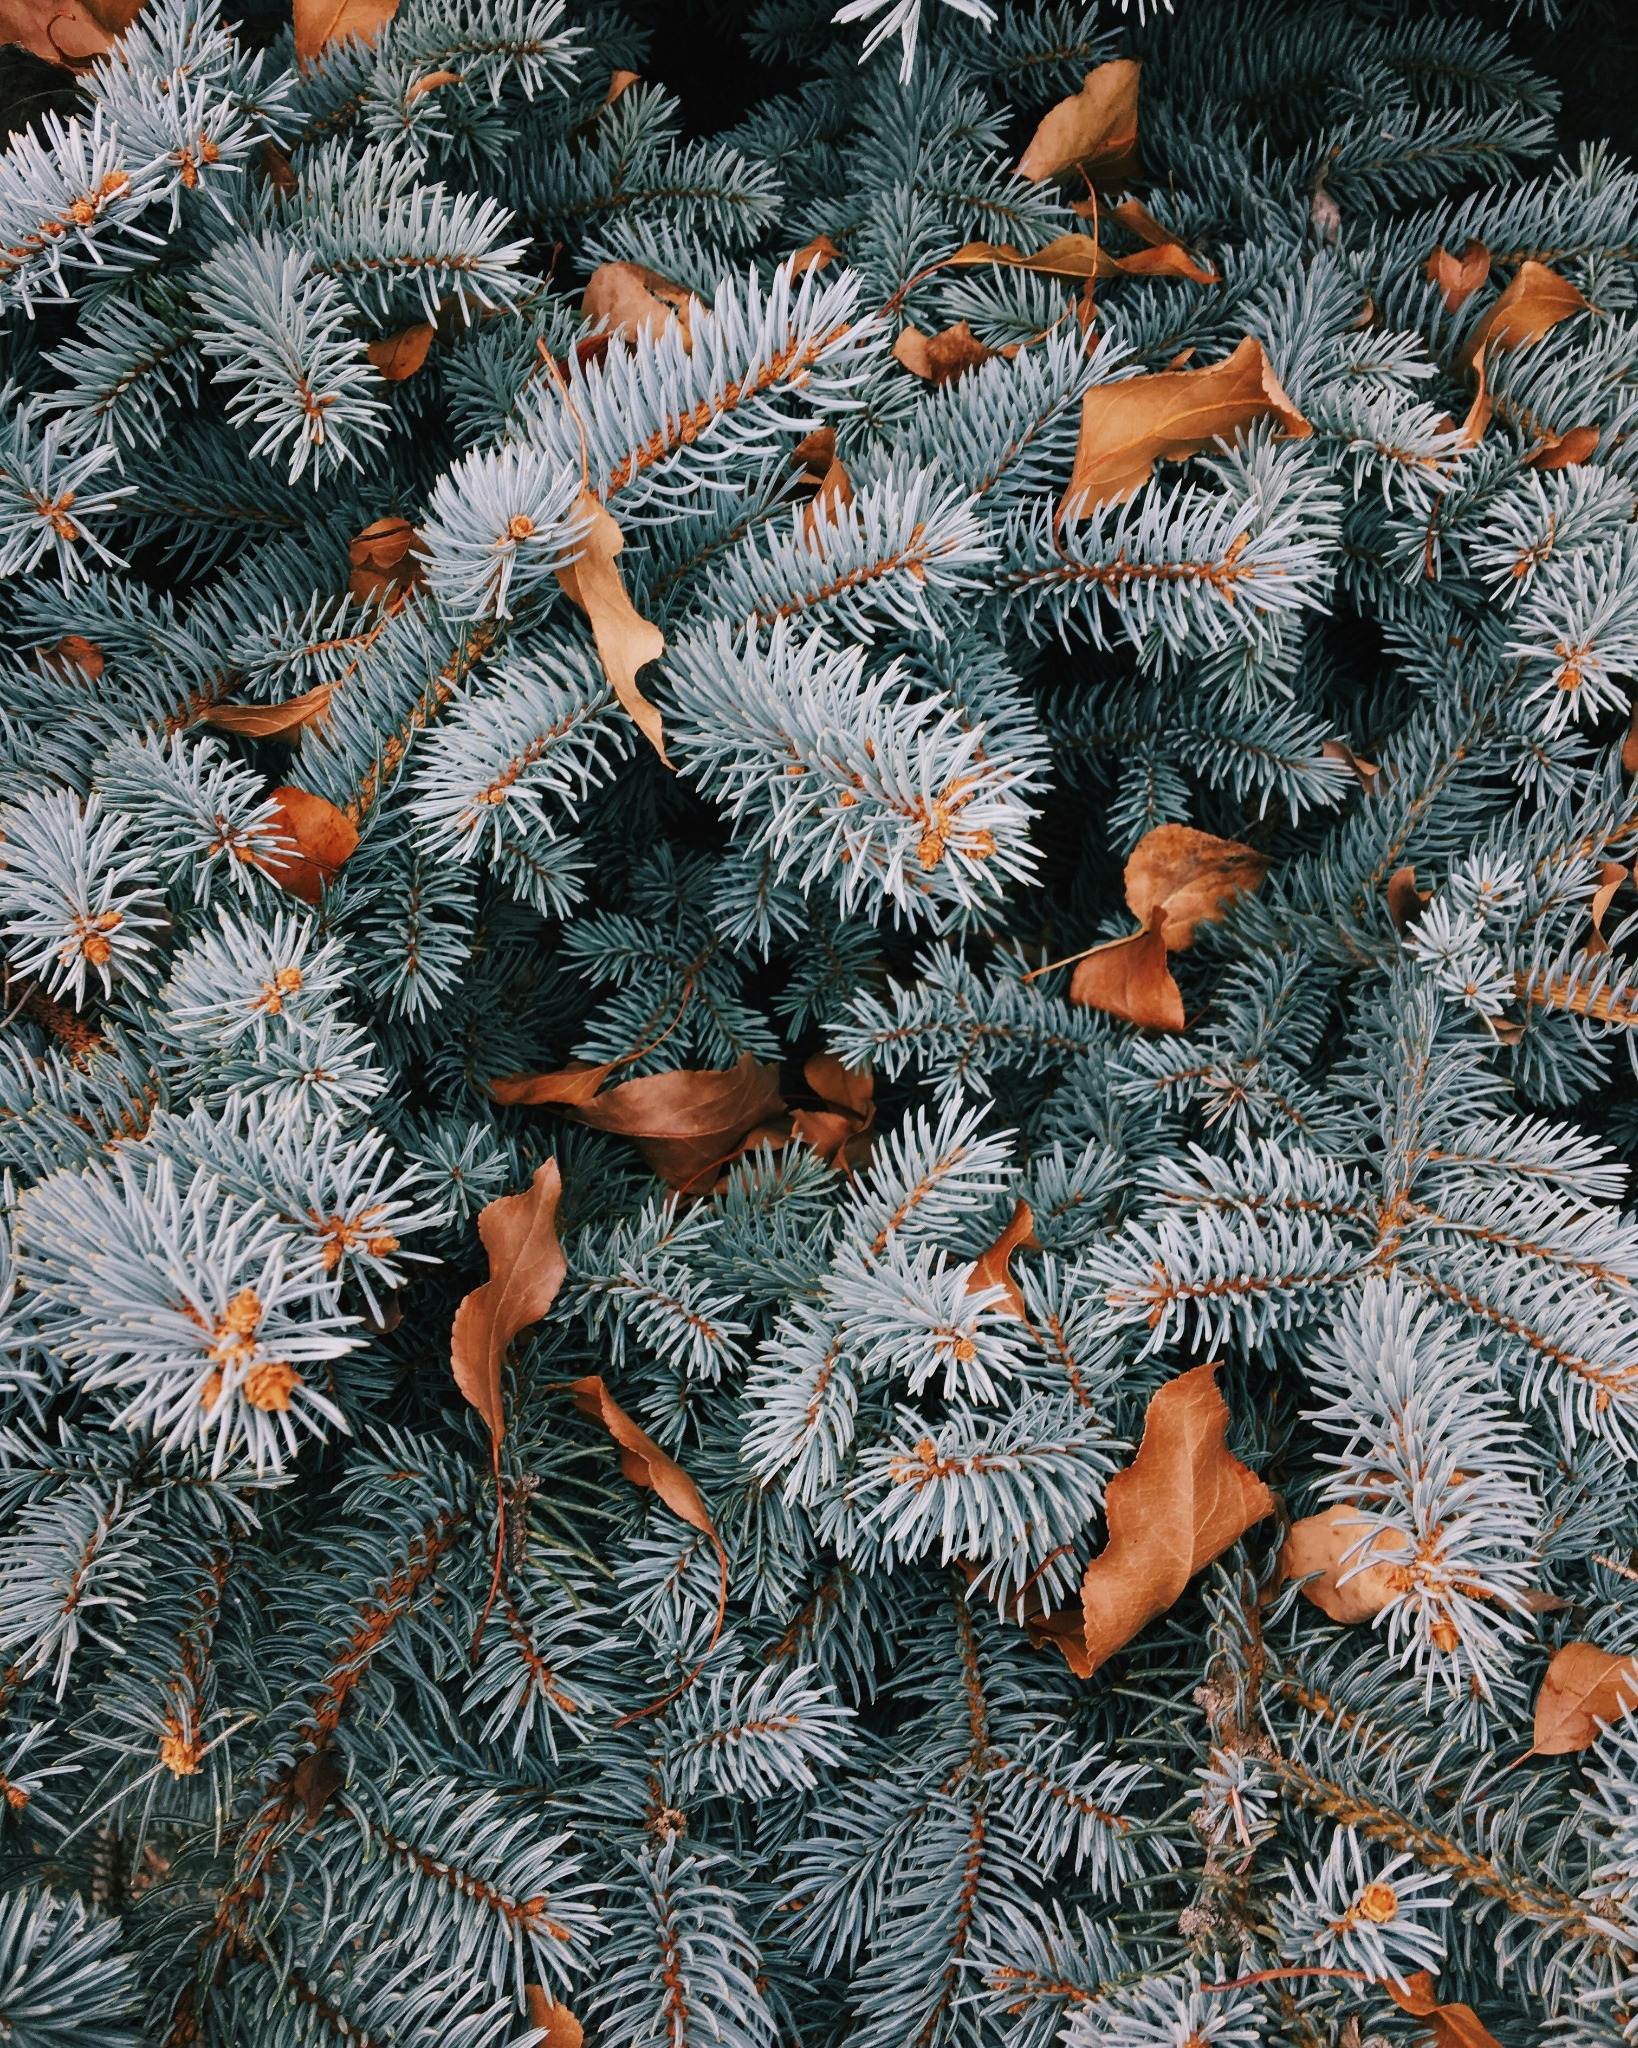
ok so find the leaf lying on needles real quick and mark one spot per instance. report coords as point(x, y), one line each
point(526, 1271)
point(315, 1782)
point(398, 356)
point(71, 32)
point(626, 641)
point(1354, 1590)
point(319, 839)
point(1611, 875)
point(1458, 277)
point(272, 721)
point(73, 659)
point(816, 455)
point(1074, 258)
point(632, 300)
point(839, 1130)
point(941, 358)
point(1095, 129)
point(1129, 978)
point(1452, 2026)
point(993, 1266)
point(1128, 426)
point(1405, 901)
point(322, 23)
point(687, 1124)
point(387, 563)
point(1340, 751)
point(1583, 1687)
point(1563, 451)
point(561, 2028)
point(815, 255)
point(1180, 1503)
point(1536, 301)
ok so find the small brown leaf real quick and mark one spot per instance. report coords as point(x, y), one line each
point(1611, 875)
point(562, 2029)
point(73, 658)
point(1459, 277)
point(400, 355)
point(278, 170)
point(1096, 129)
point(1583, 1687)
point(320, 840)
point(431, 83)
point(1537, 300)
point(1339, 750)
point(1480, 412)
point(272, 721)
point(941, 358)
point(1071, 258)
point(1452, 2026)
point(620, 83)
point(834, 495)
point(1129, 978)
point(993, 1268)
point(321, 24)
point(1405, 901)
point(641, 1459)
point(691, 1122)
point(1190, 877)
point(571, 1086)
point(1320, 1543)
point(632, 300)
point(1128, 426)
point(1563, 451)
point(387, 561)
point(815, 255)
point(1179, 1504)
point(526, 1270)
point(626, 641)
point(315, 1782)
point(839, 1129)
point(70, 32)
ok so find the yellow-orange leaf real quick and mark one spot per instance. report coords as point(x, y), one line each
point(560, 2027)
point(1320, 1543)
point(1405, 901)
point(1189, 878)
point(691, 1122)
point(993, 1266)
point(815, 255)
point(1459, 277)
point(839, 1129)
point(1537, 300)
point(272, 721)
point(941, 358)
point(1129, 978)
point(316, 839)
point(621, 82)
point(1127, 427)
point(631, 300)
point(400, 355)
point(526, 1270)
point(387, 563)
point(1180, 1503)
point(320, 24)
point(1096, 128)
point(626, 641)
point(71, 32)
point(1452, 2026)
point(1583, 1687)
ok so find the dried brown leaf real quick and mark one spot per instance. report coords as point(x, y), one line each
point(278, 170)
point(1629, 746)
point(526, 1270)
point(561, 2028)
point(1459, 277)
point(272, 721)
point(1563, 451)
point(570, 1086)
point(632, 300)
point(1481, 411)
point(1583, 1687)
point(815, 255)
point(315, 1782)
point(691, 1122)
point(388, 563)
point(1452, 2026)
point(1339, 750)
point(1095, 129)
point(1190, 877)
point(316, 840)
point(71, 32)
point(993, 1266)
point(620, 83)
point(1537, 300)
point(1179, 1504)
point(73, 658)
point(398, 356)
point(1129, 978)
point(839, 1130)
point(1611, 875)
point(431, 83)
point(641, 1459)
point(941, 358)
point(1405, 901)
point(626, 641)
point(321, 24)
point(1128, 426)
point(1321, 1543)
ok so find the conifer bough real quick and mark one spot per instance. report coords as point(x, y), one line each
point(816, 1065)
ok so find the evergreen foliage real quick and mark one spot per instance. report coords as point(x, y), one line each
point(333, 1714)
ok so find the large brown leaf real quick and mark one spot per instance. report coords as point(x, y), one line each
point(632, 300)
point(71, 32)
point(626, 641)
point(1321, 1543)
point(316, 839)
point(1095, 129)
point(322, 23)
point(1536, 301)
point(562, 2029)
point(1129, 978)
point(691, 1122)
point(526, 1270)
point(1190, 876)
point(1452, 2026)
point(1584, 1685)
point(1180, 1503)
point(1129, 426)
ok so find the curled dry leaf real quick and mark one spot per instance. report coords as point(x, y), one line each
point(431, 83)
point(72, 659)
point(941, 358)
point(626, 641)
point(993, 1266)
point(620, 83)
point(1128, 426)
point(1350, 1587)
point(815, 255)
point(839, 1130)
point(1189, 875)
point(1584, 1687)
point(560, 2028)
point(568, 1087)
point(1482, 410)
point(71, 32)
point(1180, 1503)
point(321, 24)
point(689, 1123)
point(272, 721)
point(388, 563)
point(1611, 875)
point(1452, 2026)
point(1169, 258)
point(630, 300)
point(1405, 901)
point(816, 456)
point(320, 840)
point(1537, 300)
point(1340, 751)
point(526, 1270)
point(1129, 978)
point(1095, 129)
point(1075, 258)
point(398, 356)
point(1459, 277)
point(1564, 451)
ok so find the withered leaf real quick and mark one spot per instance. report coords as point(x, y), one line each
point(1180, 1503)
point(941, 358)
point(526, 1270)
point(1583, 1687)
point(398, 356)
point(320, 24)
point(1076, 258)
point(1190, 876)
point(1366, 771)
point(315, 1782)
point(1452, 2026)
point(839, 1129)
point(71, 32)
point(1129, 978)
point(1629, 745)
point(620, 83)
point(1096, 129)
point(73, 658)
point(561, 2028)
point(319, 839)
point(272, 721)
point(1459, 277)
point(1563, 451)
point(278, 170)
point(1611, 875)
point(691, 1122)
point(430, 83)
point(1128, 426)
point(1320, 1543)
point(631, 300)
point(576, 1083)
point(626, 641)
point(1537, 300)
point(815, 255)
point(641, 1459)
point(1405, 901)
point(993, 1266)
point(387, 561)
point(1480, 412)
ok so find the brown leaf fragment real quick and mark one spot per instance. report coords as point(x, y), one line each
point(570, 1086)
point(620, 83)
point(1611, 875)
point(526, 1270)
point(1629, 746)
point(941, 358)
point(815, 453)
point(691, 1122)
point(1583, 1687)
point(431, 83)
point(1339, 750)
point(319, 839)
point(73, 658)
point(1095, 129)
point(398, 356)
point(67, 32)
point(1179, 1504)
point(278, 170)
point(321, 24)
point(272, 721)
point(1405, 901)
point(839, 1130)
point(1126, 427)
point(1189, 876)
point(1321, 1543)
point(1536, 301)
point(993, 1268)
point(626, 641)
point(1129, 978)
point(631, 300)
point(315, 1782)
point(1452, 2026)
point(1564, 451)
point(815, 255)
point(641, 1459)
point(1458, 277)
point(834, 495)
point(388, 563)
point(562, 2029)
point(1481, 411)
point(1071, 258)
